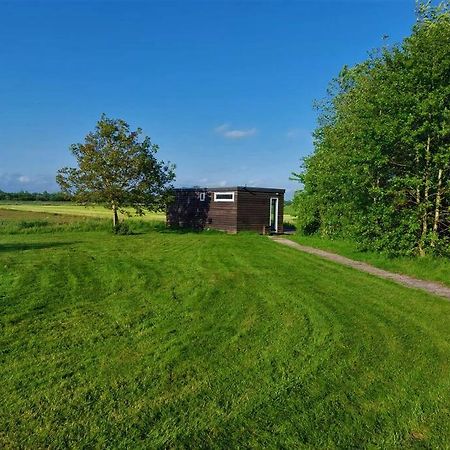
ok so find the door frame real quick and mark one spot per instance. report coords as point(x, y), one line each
point(276, 213)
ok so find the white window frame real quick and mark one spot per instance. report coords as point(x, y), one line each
point(224, 199)
point(276, 212)
point(202, 196)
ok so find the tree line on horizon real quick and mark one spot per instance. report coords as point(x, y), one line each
point(380, 170)
point(25, 196)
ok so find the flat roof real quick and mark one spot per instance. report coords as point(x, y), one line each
point(233, 188)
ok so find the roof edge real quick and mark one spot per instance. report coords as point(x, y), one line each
point(232, 188)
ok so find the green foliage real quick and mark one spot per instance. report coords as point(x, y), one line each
point(34, 196)
point(167, 340)
point(117, 169)
point(308, 221)
point(289, 209)
point(380, 172)
point(122, 228)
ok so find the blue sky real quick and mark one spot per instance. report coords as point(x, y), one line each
point(226, 88)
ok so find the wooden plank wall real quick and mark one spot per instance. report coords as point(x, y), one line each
point(187, 211)
point(223, 215)
point(254, 210)
point(249, 212)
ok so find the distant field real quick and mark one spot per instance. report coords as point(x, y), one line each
point(72, 209)
point(208, 340)
point(289, 219)
point(89, 211)
point(289, 215)
point(289, 210)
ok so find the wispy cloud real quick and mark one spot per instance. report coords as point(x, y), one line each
point(221, 128)
point(13, 182)
point(293, 133)
point(298, 134)
point(225, 131)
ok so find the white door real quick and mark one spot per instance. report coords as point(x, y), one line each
point(273, 220)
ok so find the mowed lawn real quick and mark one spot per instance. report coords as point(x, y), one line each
point(166, 340)
point(431, 268)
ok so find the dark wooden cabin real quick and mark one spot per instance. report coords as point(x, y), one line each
point(230, 209)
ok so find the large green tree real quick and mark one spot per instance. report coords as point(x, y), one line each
point(118, 169)
point(381, 167)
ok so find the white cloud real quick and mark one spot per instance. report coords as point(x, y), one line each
point(292, 133)
point(299, 134)
point(221, 128)
point(14, 182)
point(238, 134)
point(228, 133)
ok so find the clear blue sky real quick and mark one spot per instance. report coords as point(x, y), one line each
point(226, 88)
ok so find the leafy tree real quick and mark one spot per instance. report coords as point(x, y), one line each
point(381, 167)
point(118, 169)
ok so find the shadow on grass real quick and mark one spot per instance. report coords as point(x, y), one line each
point(139, 228)
point(14, 247)
point(174, 230)
point(289, 227)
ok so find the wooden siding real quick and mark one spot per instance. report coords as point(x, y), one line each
point(187, 210)
point(254, 210)
point(250, 210)
point(223, 215)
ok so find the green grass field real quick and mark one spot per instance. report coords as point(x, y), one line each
point(208, 340)
point(289, 215)
point(67, 208)
point(427, 268)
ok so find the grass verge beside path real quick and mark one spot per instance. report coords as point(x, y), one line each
point(427, 268)
point(166, 340)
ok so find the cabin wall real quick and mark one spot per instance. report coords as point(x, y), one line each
point(250, 210)
point(254, 210)
point(223, 215)
point(187, 211)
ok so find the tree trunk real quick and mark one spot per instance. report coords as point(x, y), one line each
point(418, 197)
point(418, 188)
point(115, 216)
point(426, 180)
point(437, 207)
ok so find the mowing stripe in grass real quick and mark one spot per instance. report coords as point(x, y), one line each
point(212, 341)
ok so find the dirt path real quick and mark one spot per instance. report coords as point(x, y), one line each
point(429, 286)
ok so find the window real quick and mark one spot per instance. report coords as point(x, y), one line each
point(224, 196)
point(202, 196)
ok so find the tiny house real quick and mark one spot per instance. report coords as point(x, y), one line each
point(230, 209)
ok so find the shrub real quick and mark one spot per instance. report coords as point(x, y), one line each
point(122, 228)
